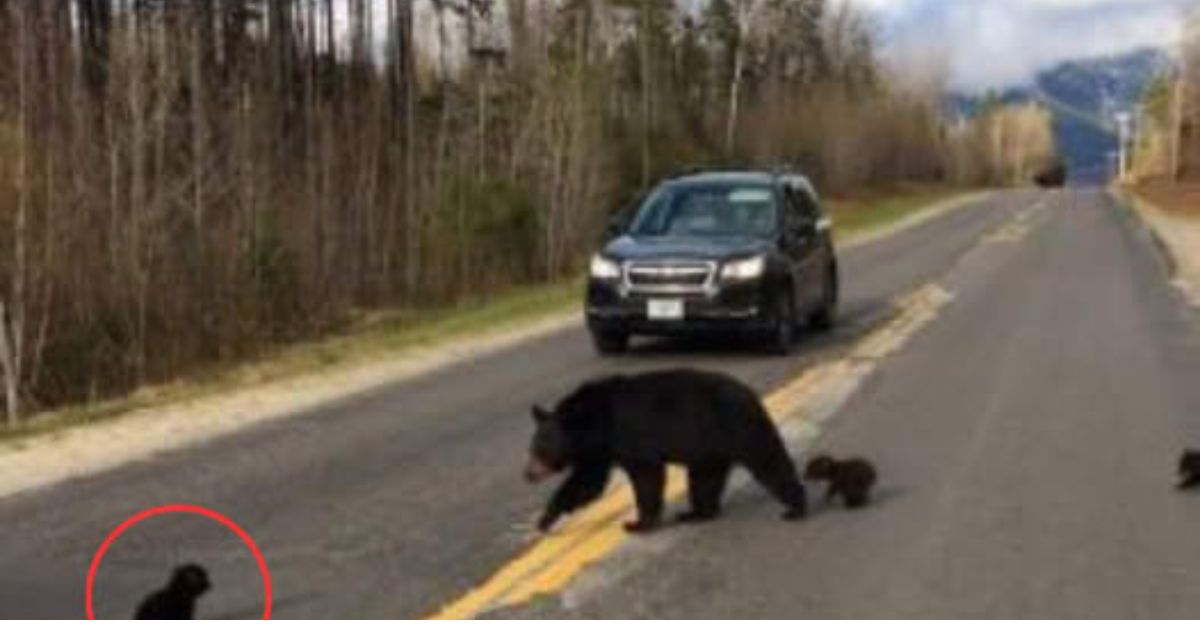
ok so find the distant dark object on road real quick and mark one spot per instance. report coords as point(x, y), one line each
point(1189, 470)
point(1054, 175)
point(706, 421)
point(851, 479)
point(178, 600)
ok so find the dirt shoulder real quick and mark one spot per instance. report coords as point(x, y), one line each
point(84, 441)
point(1174, 214)
point(41, 460)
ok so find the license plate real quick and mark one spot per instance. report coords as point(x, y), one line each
point(665, 310)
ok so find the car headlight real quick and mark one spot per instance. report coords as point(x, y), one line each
point(745, 269)
point(604, 268)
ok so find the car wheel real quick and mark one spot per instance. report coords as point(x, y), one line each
point(783, 327)
point(823, 318)
point(610, 343)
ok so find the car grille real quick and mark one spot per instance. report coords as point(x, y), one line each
point(669, 277)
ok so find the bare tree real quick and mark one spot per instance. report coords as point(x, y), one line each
point(13, 305)
point(191, 183)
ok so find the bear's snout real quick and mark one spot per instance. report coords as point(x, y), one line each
point(537, 470)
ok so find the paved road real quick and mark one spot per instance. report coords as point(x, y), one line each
point(1025, 441)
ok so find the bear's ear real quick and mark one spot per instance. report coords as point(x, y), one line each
point(541, 415)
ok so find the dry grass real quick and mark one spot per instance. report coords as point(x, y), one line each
point(1180, 200)
point(870, 210)
point(379, 336)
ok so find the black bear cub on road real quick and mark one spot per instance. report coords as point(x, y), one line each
point(178, 600)
point(850, 479)
point(707, 422)
point(1189, 470)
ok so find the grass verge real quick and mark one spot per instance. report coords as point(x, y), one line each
point(390, 333)
point(375, 336)
point(867, 212)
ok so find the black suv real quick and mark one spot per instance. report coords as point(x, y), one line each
point(716, 251)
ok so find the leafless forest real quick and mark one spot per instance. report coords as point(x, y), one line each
point(1168, 129)
point(187, 182)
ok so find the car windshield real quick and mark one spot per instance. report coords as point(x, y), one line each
point(709, 210)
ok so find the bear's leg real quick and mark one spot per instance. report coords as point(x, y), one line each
point(831, 492)
point(649, 480)
point(706, 485)
point(856, 497)
point(586, 483)
point(777, 474)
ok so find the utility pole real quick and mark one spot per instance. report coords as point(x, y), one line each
point(1123, 136)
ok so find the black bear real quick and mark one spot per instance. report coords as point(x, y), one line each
point(178, 600)
point(850, 479)
point(1052, 175)
point(1189, 470)
point(704, 421)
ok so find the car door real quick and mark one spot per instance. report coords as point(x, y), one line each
point(805, 244)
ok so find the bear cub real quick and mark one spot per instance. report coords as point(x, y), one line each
point(850, 479)
point(705, 421)
point(1189, 470)
point(178, 600)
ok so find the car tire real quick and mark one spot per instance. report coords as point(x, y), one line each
point(782, 335)
point(610, 343)
point(825, 316)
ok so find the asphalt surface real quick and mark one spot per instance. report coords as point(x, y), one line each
point(1026, 444)
point(1026, 441)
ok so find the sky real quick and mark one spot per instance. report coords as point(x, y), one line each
point(986, 44)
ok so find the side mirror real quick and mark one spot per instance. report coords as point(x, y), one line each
point(803, 230)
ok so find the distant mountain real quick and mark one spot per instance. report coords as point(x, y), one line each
point(1106, 85)
point(1085, 95)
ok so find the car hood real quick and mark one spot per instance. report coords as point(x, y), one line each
point(716, 249)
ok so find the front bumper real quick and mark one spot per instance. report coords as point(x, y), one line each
point(728, 308)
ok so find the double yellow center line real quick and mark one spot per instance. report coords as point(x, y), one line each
point(596, 531)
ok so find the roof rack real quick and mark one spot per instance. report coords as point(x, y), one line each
point(691, 170)
point(780, 169)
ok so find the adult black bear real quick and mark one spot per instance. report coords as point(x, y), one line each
point(707, 422)
point(850, 479)
point(178, 600)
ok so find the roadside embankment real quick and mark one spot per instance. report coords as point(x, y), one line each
point(1174, 214)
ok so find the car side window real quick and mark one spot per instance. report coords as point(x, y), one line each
point(796, 214)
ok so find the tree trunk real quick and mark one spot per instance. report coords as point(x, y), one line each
point(644, 37)
point(735, 81)
point(12, 370)
point(12, 313)
point(412, 223)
